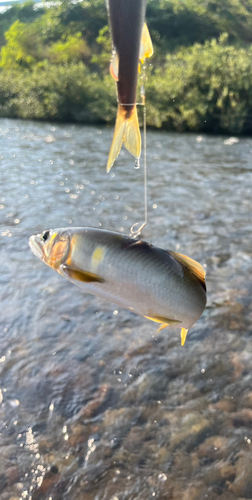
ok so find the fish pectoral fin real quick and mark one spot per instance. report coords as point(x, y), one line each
point(183, 334)
point(193, 266)
point(163, 320)
point(114, 66)
point(79, 275)
point(127, 131)
point(146, 47)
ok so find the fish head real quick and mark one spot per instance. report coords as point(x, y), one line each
point(52, 246)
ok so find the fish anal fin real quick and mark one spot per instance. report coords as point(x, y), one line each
point(127, 131)
point(80, 275)
point(132, 136)
point(162, 319)
point(164, 325)
point(114, 66)
point(192, 265)
point(183, 334)
point(146, 47)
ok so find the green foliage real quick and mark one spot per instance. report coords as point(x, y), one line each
point(18, 12)
point(68, 93)
point(231, 16)
point(87, 17)
point(22, 48)
point(54, 64)
point(72, 49)
point(205, 87)
point(103, 55)
point(176, 23)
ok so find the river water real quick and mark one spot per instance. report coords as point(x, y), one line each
point(94, 405)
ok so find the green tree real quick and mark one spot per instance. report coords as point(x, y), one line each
point(103, 53)
point(22, 47)
point(23, 12)
point(72, 49)
point(203, 88)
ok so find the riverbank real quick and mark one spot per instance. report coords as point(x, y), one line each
point(54, 65)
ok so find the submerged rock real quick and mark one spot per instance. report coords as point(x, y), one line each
point(50, 479)
point(242, 485)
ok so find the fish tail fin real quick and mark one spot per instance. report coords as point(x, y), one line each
point(183, 334)
point(117, 141)
point(127, 131)
point(132, 138)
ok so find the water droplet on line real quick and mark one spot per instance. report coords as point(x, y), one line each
point(137, 163)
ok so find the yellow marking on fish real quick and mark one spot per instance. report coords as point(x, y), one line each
point(57, 253)
point(72, 245)
point(97, 258)
point(183, 334)
point(48, 250)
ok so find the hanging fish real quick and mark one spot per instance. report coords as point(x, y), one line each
point(160, 285)
point(131, 43)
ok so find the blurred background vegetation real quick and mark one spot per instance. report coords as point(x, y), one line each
point(54, 64)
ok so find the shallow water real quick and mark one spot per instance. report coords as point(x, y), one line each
point(94, 404)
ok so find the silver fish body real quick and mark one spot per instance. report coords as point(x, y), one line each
point(150, 281)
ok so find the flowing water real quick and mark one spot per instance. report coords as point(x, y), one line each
point(94, 405)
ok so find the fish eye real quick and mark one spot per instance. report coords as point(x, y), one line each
point(45, 235)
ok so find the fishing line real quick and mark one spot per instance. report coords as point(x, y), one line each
point(135, 233)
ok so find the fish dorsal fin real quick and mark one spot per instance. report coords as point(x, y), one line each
point(146, 47)
point(191, 264)
point(114, 66)
point(80, 275)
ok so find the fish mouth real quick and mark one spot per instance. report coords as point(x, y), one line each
point(36, 245)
